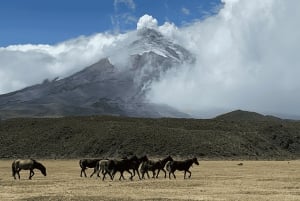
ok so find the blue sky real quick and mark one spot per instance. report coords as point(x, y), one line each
point(53, 21)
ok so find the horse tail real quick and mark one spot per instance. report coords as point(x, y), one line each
point(81, 163)
point(98, 166)
point(13, 168)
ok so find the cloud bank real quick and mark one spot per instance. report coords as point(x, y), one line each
point(247, 58)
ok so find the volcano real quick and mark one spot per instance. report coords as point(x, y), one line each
point(106, 87)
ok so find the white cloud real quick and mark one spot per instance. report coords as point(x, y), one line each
point(247, 58)
point(185, 11)
point(25, 65)
point(147, 21)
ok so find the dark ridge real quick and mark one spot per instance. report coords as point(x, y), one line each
point(240, 115)
point(108, 136)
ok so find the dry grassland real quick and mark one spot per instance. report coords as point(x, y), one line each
point(212, 180)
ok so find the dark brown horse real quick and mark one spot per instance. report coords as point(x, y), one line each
point(135, 164)
point(152, 165)
point(102, 166)
point(172, 166)
point(27, 164)
point(88, 163)
point(121, 166)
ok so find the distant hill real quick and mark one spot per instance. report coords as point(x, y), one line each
point(108, 136)
point(240, 115)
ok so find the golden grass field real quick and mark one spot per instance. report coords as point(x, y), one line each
point(212, 180)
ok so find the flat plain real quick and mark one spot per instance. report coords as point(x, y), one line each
point(211, 181)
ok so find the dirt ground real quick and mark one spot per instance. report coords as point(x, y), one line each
point(211, 180)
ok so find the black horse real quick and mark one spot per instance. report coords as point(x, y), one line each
point(172, 166)
point(152, 165)
point(135, 164)
point(27, 164)
point(88, 163)
point(121, 166)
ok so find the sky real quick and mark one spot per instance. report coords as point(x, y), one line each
point(54, 21)
point(246, 51)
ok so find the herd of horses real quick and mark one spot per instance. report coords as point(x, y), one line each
point(133, 165)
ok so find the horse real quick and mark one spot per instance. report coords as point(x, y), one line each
point(121, 166)
point(27, 164)
point(88, 163)
point(152, 165)
point(136, 162)
point(172, 166)
point(102, 166)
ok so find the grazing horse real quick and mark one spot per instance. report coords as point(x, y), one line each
point(27, 164)
point(152, 165)
point(88, 163)
point(172, 166)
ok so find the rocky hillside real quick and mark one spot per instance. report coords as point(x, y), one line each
point(107, 136)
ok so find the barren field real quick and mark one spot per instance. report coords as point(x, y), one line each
point(212, 180)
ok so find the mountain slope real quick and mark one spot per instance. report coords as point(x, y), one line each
point(104, 88)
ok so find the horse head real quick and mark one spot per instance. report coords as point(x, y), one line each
point(41, 167)
point(144, 158)
point(195, 161)
point(169, 158)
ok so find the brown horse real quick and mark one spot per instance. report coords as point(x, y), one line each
point(27, 164)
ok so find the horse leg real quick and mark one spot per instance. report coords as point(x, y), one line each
point(148, 175)
point(153, 174)
point(131, 176)
point(184, 174)
point(143, 174)
point(18, 172)
point(190, 173)
point(14, 174)
point(121, 176)
point(98, 173)
point(165, 173)
point(104, 173)
point(170, 175)
point(174, 174)
point(31, 173)
point(157, 173)
point(95, 170)
point(83, 171)
point(111, 177)
point(137, 171)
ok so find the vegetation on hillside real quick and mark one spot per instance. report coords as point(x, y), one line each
point(108, 136)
